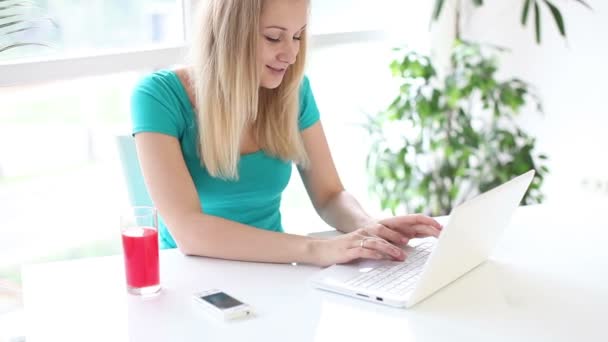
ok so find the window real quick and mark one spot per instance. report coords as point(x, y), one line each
point(92, 27)
point(60, 178)
point(361, 15)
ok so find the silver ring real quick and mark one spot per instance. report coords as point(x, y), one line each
point(362, 242)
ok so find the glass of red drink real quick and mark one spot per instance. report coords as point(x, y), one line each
point(139, 229)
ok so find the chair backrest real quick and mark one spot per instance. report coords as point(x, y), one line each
point(138, 194)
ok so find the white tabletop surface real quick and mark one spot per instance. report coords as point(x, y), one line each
point(546, 281)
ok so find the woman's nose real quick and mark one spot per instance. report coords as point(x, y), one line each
point(289, 52)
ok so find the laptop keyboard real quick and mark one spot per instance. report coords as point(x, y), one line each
point(397, 279)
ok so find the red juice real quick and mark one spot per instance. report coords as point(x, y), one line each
point(140, 245)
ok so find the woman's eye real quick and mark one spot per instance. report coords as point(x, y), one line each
point(297, 38)
point(270, 39)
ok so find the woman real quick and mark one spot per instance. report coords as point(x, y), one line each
point(216, 143)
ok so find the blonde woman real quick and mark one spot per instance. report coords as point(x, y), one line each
point(217, 140)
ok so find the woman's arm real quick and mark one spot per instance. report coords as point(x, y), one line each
point(340, 209)
point(335, 206)
point(343, 212)
point(174, 194)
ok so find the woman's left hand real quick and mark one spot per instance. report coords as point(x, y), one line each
point(398, 230)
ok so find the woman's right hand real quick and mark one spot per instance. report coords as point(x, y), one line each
point(356, 245)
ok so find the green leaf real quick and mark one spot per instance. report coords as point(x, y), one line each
point(16, 45)
point(584, 4)
point(384, 203)
point(12, 23)
point(424, 108)
point(2, 8)
point(435, 106)
point(8, 16)
point(22, 2)
point(537, 22)
point(395, 68)
point(23, 29)
point(460, 172)
point(453, 192)
point(524, 13)
point(438, 8)
point(559, 20)
point(434, 145)
point(396, 101)
point(449, 150)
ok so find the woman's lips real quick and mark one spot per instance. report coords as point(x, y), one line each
point(276, 70)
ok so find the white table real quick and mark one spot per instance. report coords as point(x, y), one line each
point(547, 281)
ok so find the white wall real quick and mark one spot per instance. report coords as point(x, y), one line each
point(350, 81)
point(571, 78)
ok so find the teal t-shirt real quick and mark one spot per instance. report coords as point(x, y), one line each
point(160, 104)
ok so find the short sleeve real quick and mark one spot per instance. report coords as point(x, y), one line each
point(155, 108)
point(309, 113)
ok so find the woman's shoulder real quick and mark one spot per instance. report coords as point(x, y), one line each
point(157, 80)
point(305, 83)
point(160, 104)
point(305, 87)
point(183, 76)
point(165, 85)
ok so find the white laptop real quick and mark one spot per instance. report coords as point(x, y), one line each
point(472, 231)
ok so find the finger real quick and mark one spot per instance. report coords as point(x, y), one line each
point(360, 241)
point(363, 253)
point(411, 220)
point(391, 235)
point(423, 230)
point(362, 232)
point(385, 247)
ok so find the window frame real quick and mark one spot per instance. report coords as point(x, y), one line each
point(41, 70)
point(27, 72)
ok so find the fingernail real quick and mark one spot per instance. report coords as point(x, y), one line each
point(405, 240)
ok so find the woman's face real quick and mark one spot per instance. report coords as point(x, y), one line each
point(282, 23)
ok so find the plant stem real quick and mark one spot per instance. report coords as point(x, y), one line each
point(457, 21)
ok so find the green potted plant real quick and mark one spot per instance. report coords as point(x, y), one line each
point(528, 6)
point(15, 19)
point(446, 139)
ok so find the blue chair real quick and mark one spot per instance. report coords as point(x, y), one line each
point(138, 194)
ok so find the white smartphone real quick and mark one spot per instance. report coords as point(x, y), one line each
point(221, 305)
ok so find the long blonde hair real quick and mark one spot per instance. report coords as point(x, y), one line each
point(228, 95)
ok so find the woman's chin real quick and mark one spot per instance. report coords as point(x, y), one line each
point(271, 82)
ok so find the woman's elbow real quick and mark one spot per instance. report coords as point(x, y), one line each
point(186, 252)
point(183, 247)
point(186, 248)
point(182, 233)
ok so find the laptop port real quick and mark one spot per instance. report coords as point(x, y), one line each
point(362, 295)
point(379, 299)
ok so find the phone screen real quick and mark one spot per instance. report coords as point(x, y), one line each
point(221, 300)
